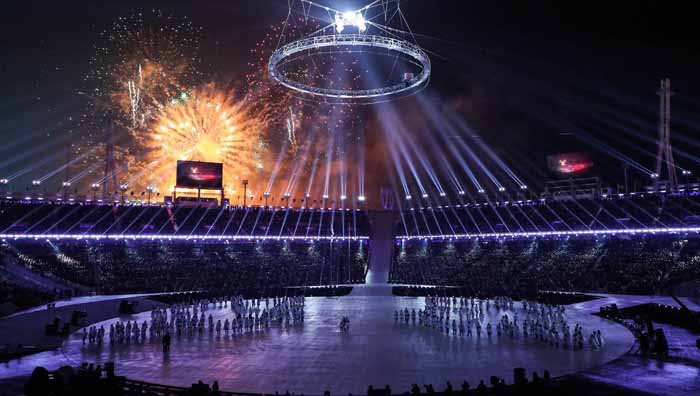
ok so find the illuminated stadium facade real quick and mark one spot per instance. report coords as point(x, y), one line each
point(336, 202)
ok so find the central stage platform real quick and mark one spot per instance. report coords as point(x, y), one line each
point(316, 356)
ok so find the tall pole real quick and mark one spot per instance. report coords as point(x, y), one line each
point(665, 151)
point(245, 190)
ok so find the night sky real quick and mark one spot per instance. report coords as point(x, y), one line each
point(521, 72)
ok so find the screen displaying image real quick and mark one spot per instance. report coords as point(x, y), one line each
point(197, 174)
point(569, 163)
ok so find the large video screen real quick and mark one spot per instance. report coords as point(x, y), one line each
point(569, 163)
point(196, 174)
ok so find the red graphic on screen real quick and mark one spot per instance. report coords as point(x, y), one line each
point(569, 163)
point(566, 166)
point(197, 174)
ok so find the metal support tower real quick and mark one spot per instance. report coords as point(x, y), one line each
point(665, 152)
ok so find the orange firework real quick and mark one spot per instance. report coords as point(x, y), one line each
point(145, 87)
point(204, 125)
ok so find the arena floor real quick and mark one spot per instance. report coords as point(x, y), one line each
point(317, 356)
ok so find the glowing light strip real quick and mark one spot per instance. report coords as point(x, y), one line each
point(628, 231)
point(118, 237)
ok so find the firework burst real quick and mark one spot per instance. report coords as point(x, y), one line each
point(141, 63)
point(205, 125)
point(148, 60)
point(147, 75)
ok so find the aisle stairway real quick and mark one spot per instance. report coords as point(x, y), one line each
point(382, 248)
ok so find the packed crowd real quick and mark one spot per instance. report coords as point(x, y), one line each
point(459, 316)
point(81, 218)
point(484, 217)
point(153, 266)
point(652, 264)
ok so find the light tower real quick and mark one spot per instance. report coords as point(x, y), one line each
point(665, 152)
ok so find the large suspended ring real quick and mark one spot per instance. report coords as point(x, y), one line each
point(409, 85)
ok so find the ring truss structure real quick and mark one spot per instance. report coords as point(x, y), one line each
point(406, 48)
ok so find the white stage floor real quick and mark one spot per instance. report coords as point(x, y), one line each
point(317, 356)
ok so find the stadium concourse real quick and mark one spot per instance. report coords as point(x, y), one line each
point(587, 294)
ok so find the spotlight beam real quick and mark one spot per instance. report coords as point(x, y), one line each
point(54, 211)
point(21, 219)
point(308, 225)
point(332, 222)
point(116, 221)
point(654, 219)
point(103, 217)
point(84, 173)
point(141, 213)
point(601, 208)
point(593, 217)
point(329, 162)
point(396, 132)
point(88, 214)
point(228, 222)
point(209, 206)
point(216, 220)
point(606, 148)
point(553, 212)
point(300, 162)
point(76, 208)
point(437, 222)
point(314, 167)
point(532, 223)
point(150, 221)
point(399, 168)
point(447, 220)
point(34, 150)
point(445, 129)
point(360, 149)
point(425, 221)
point(415, 222)
point(574, 215)
point(682, 209)
point(514, 218)
point(171, 218)
point(269, 223)
point(245, 215)
point(320, 221)
point(476, 225)
point(463, 145)
point(257, 219)
point(45, 160)
point(544, 221)
point(607, 119)
point(425, 163)
point(486, 220)
point(302, 210)
point(485, 148)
